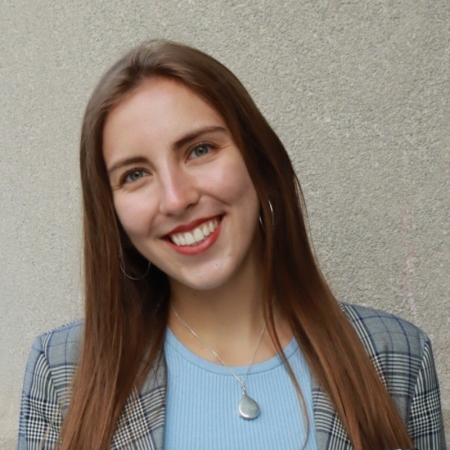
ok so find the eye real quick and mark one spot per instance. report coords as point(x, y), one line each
point(200, 150)
point(133, 176)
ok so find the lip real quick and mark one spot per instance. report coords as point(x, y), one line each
point(192, 225)
point(195, 249)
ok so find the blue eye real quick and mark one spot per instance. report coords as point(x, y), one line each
point(200, 150)
point(133, 176)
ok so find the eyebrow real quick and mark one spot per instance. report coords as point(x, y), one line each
point(127, 162)
point(177, 145)
point(196, 134)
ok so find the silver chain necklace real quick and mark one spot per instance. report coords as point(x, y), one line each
point(248, 408)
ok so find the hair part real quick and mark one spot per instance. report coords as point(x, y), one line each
point(125, 320)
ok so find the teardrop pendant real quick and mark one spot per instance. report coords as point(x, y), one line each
point(248, 408)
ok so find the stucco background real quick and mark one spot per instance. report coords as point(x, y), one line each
point(357, 90)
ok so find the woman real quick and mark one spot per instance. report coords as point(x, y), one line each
point(208, 323)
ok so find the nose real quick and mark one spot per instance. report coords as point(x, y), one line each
point(178, 191)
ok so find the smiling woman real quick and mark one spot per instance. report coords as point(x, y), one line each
point(156, 134)
point(208, 323)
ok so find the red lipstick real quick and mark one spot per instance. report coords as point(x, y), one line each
point(195, 249)
point(192, 225)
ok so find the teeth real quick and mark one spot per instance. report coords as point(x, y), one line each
point(205, 230)
point(197, 235)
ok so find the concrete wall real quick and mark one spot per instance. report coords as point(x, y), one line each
point(358, 91)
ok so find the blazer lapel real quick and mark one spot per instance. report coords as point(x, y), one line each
point(141, 424)
point(330, 433)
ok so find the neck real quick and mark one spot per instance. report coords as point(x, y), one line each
point(229, 319)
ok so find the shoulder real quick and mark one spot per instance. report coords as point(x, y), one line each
point(386, 332)
point(60, 345)
point(402, 356)
point(46, 388)
point(396, 347)
point(54, 356)
point(400, 352)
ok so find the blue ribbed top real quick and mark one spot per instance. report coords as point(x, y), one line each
point(203, 397)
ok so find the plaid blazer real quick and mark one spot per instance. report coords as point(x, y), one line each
point(400, 352)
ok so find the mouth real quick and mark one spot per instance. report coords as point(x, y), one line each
point(197, 235)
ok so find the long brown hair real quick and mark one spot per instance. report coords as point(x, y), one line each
point(125, 320)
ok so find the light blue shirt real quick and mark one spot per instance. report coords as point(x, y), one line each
point(202, 402)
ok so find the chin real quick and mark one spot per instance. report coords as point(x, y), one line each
point(206, 283)
point(199, 285)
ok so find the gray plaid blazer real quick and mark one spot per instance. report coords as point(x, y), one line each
point(400, 352)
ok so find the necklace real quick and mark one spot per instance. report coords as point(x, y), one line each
point(248, 408)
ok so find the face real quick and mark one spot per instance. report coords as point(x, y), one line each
point(180, 186)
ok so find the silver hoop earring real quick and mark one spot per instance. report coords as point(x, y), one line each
point(133, 278)
point(271, 211)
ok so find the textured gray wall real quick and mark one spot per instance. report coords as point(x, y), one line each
point(358, 90)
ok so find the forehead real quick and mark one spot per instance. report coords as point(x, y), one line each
point(156, 114)
point(162, 100)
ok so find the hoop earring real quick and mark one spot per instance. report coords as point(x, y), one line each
point(271, 211)
point(133, 278)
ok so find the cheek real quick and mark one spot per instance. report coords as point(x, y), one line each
point(237, 186)
point(134, 214)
